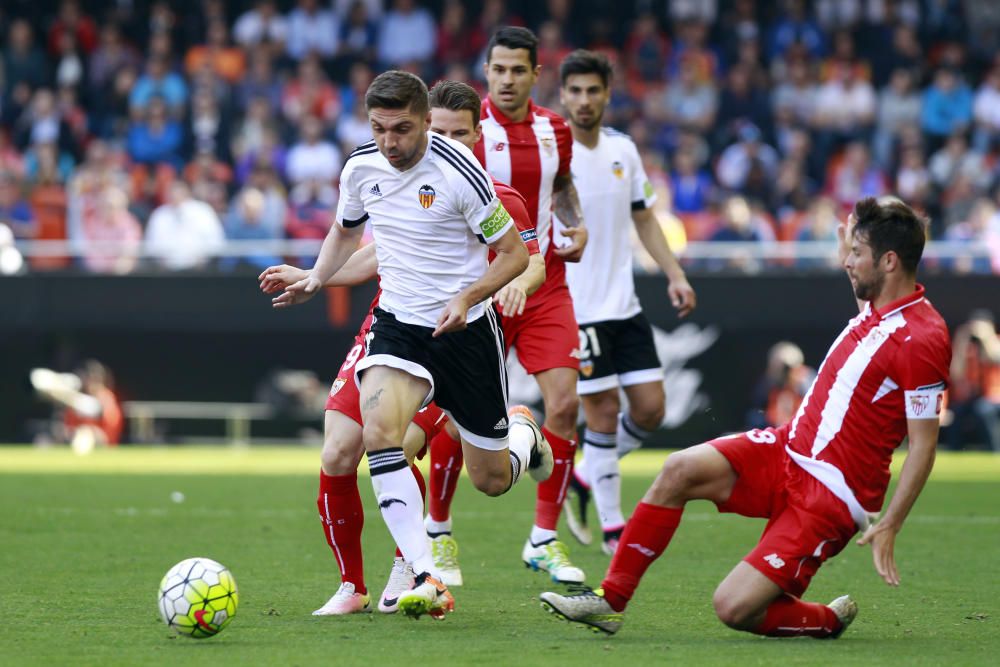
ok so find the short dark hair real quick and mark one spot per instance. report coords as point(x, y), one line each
point(456, 96)
point(582, 61)
point(514, 37)
point(889, 224)
point(397, 89)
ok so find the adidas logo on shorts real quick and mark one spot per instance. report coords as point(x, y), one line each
point(501, 425)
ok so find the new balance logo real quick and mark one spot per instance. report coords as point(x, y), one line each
point(375, 190)
point(501, 425)
point(775, 561)
point(645, 551)
point(387, 503)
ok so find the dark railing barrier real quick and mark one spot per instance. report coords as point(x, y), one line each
point(213, 338)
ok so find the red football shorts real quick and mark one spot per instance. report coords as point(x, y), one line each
point(345, 398)
point(806, 523)
point(545, 336)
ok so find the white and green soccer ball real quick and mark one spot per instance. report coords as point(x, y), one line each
point(198, 597)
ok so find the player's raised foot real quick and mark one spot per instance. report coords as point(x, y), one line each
point(541, 462)
point(609, 545)
point(428, 596)
point(346, 601)
point(400, 580)
point(552, 557)
point(846, 610)
point(444, 551)
point(587, 607)
point(577, 501)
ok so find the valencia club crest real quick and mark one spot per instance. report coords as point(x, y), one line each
point(426, 194)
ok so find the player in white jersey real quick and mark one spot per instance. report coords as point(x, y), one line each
point(433, 212)
point(616, 342)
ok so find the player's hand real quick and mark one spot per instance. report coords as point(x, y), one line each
point(279, 277)
point(845, 230)
point(298, 292)
point(682, 296)
point(574, 251)
point(882, 537)
point(452, 317)
point(511, 299)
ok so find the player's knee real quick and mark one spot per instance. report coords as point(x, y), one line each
point(561, 410)
point(678, 474)
point(377, 437)
point(731, 610)
point(340, 456)
point(493, 483)
point(648, 418)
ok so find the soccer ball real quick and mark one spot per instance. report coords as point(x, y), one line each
point(198, 597)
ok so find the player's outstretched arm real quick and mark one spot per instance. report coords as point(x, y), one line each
point(338, 246)
point(923, 436)
point(510, 261)
point(682, 295)
point(513, 296)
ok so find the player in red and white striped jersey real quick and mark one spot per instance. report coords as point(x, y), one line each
point(530, 148)
point(822, 477)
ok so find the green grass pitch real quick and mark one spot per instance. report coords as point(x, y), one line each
point(85, 540)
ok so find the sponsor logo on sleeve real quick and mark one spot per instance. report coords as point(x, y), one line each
point(426, 194)
point(647, 189)
point(529, 235)
point(497, 220)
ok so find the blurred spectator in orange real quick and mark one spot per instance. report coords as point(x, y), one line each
point(312, 30)
point(206, 166)
point(111, 223)
point(780, 391)
point(974, 394)
point(91, 413)
point(310, 94)
point(48, 202)
point(226, 60)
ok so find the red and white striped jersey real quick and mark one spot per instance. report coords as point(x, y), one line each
point(886, 367)
point(528, 155)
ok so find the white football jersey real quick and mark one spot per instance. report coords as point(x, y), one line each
point(611, 184)
point(430, 224)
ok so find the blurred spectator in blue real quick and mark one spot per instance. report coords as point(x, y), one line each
point(112, 53)
point(898, 106)
point(688, 103)
point(41, 123)
point(359, 77)
point(819, 223)
point(740, 103)
point(15, 211)
point(795, 27)
point(373, 8)
point(690, 186)
point(159, 82)
point(261, 82)
point(262, 25)
point(736, 162)
point(268, 153)
point(206, 128)
point(947, 106)
point(358, 35)
point(247, 220)
point(852, 176)
point(407, 35)
point(156, 139)
point(184, 233)
point(646, 48)
point(353, 128)
point(313, 157)
point(23, 61)
point(944, 20)
point(741, 223)
point(310, 211)
point(986, 111)
point(312, 29)
point(46, 158)
point(797, 93)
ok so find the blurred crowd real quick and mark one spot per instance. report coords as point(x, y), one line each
point(173, 127)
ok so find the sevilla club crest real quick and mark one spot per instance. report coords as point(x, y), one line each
point(426, 194)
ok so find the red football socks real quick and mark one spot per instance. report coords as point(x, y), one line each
point(343, 518)
point(789, 616)
point(446, 466)
point(552, 492)
point(645, 537)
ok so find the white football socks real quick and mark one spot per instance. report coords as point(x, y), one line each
point(520, 440)
point(402, 507)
